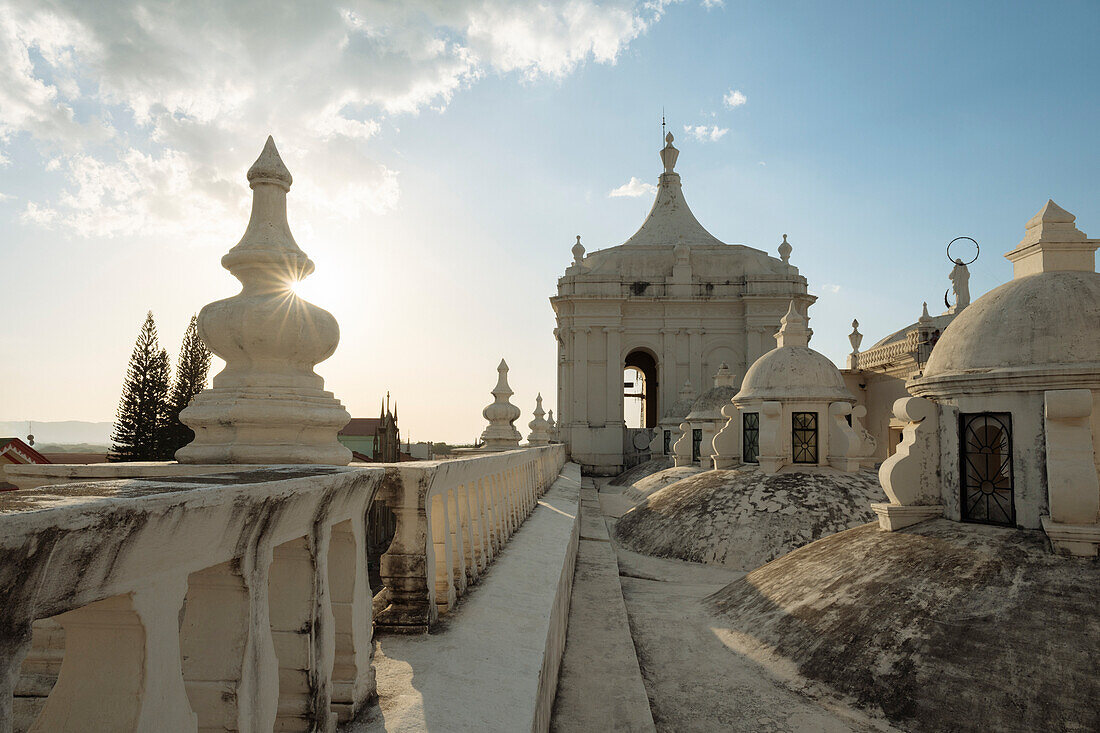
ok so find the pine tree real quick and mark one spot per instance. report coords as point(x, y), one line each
point(142, 411)
point(192, 367)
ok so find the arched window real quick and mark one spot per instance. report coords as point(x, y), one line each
point(985, 454)
point(640, 390)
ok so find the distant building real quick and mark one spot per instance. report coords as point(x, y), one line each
point(15, 451)
point(359, 436)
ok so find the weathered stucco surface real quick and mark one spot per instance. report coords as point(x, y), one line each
point(646, 486)
point(742, 519)
point(941, 626)
point(641, 471)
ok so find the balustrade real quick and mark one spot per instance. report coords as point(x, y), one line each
point(237, 600)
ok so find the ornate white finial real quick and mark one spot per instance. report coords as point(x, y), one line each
point(785, 250)
point(540, 429)
point(724, 377)
point(553, 425)
point(267, 405)
point(924, 317)
point(501, 414)
point(793, 329)
point(578, 251)
point(855, 338)
point(669, 154)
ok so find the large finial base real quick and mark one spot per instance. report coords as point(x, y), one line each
point(273, 425)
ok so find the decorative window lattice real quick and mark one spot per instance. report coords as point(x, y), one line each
point(750, 437)
point(804, 437)
point(696, 443)
point(985, 454)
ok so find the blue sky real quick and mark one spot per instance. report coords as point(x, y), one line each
point(439, 195)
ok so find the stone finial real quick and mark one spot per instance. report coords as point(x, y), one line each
point(578, 252)
point(669, 154)
point(724, 377)
point(924, 317)
point(1053, 243)
point(501, 414)
point(785, 250)
point(793, 329)
point(553, 425)
point(267, 405)
point(855, 338)
point(540, 428)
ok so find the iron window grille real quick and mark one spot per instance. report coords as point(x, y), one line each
point(668, 441)
point(804, 437)
point(696, 443)
point(985, 456)
point(750, 437)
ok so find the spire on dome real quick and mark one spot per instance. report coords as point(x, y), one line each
point(793, 329)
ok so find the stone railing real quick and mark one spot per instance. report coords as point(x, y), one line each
point(235, 600)
point(453, 517)
point(889, 353)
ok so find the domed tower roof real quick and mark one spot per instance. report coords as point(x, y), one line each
point(1045, 322)
point(708, 406)
point(792, 370)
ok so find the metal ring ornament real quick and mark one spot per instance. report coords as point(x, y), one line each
point(977, 249)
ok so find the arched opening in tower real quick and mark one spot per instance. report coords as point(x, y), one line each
point(640, 390)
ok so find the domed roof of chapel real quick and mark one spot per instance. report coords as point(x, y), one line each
point(1046, 319)
point(792, 370)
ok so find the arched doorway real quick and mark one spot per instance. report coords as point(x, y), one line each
point(640, 408)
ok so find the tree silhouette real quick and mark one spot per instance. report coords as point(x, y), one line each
point(139, 430)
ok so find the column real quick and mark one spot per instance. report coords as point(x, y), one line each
point(701, 382)
point(578, 406)
point(614, 336)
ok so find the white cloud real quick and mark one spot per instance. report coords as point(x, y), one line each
point(633, 188)
point(711, 4)
point(761, 163)
point(151, 115)
point(703, 133)
point(734, 98)
point(6, 197)
point(829, 288)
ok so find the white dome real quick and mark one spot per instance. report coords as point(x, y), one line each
point(1051, 319)
point(794, 373)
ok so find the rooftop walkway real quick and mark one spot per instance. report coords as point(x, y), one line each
point(492, 662)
